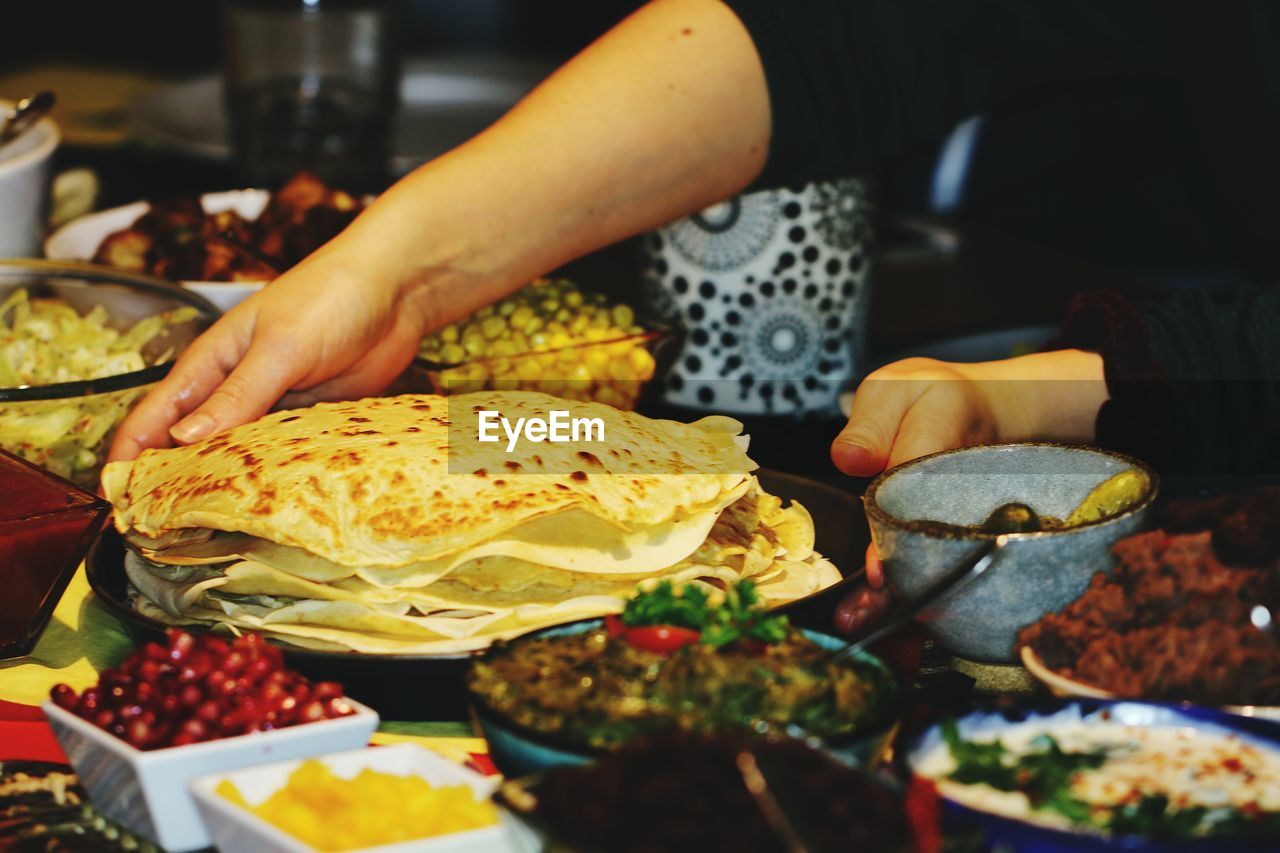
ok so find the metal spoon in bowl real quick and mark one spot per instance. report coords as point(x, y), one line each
point(25, 114)
point(961, 575)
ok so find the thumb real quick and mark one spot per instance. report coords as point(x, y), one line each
point(862, 448)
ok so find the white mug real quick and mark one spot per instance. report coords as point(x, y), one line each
point(24, 188)
point(771, 290)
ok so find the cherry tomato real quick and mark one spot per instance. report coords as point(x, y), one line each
point(662, 639)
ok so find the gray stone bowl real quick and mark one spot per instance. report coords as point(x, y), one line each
point(1036, 573)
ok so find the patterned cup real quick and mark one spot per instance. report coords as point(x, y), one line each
point(772, 288)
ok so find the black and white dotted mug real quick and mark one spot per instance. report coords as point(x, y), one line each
point(772, 290)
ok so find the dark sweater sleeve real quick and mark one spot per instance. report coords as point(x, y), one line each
point(852, 82)
point(1194, 380)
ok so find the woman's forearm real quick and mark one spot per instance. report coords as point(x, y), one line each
point(666, 113)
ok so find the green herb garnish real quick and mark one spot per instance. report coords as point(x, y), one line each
point(740, 616)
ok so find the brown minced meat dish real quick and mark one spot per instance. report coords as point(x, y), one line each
point(1172, 622)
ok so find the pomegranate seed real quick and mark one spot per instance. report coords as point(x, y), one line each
point(203, 663)
point(311, 712)
point(139, 732)
point(180, 645)
point(63, 696)
point(104, 719)
point(259, 669)
point(327, 690)
point(234, 663)
point(190, 696)
point(195, 729)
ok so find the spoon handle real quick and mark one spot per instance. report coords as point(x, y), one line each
point(25, 113)
point(961, 575)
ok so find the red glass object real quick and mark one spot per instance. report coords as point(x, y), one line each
point(46, 526)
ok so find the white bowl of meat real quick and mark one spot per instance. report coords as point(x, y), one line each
point(223, 245)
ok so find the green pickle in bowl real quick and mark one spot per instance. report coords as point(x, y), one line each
point(677, 661)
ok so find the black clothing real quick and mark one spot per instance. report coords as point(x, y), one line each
point(851, 82)
point(1194, 382)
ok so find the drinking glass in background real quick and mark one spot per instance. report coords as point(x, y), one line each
point(312, 84)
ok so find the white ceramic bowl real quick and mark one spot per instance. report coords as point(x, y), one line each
point(234, 828)
point(24, 187)
point(1069, 688)
point(79, 239)
point(148, 791)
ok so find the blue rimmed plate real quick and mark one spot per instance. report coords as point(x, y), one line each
point(1014, 834)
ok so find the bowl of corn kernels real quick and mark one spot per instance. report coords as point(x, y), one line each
point(549, 336)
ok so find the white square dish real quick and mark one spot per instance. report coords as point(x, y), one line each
point(147, 791)
point(234, 828)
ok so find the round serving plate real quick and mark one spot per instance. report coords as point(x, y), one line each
point(430, 687)
point(1010, 833)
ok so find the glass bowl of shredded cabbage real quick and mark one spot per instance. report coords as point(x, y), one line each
point(79, 346)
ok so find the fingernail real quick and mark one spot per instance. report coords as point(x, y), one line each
point(193, 428)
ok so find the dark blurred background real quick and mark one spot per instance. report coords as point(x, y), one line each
point(1102, 174)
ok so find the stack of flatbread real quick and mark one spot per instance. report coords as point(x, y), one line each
point(386, 526)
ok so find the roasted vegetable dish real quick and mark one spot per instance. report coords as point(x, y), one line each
point(177, 240)
point(675, 662)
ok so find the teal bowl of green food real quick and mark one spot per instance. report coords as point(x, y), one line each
point(569, 694)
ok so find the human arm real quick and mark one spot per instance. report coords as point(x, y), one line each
point(665, 114)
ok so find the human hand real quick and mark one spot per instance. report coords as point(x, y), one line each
point(329, 329)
